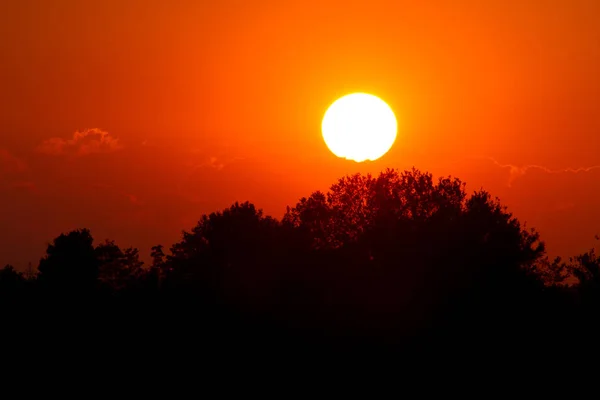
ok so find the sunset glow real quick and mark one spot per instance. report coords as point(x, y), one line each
point(188, 106)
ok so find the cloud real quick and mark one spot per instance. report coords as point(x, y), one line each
point(85, 142)
point(192, 167)
point(9, 163)
point(516, 171)
point(215, 163)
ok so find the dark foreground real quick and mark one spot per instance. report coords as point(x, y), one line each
point(396, 269)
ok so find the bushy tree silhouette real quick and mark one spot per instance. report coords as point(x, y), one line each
point(159, 268)
point(9, 276)
point(118, 268)
point(70, 262)
point(228, 252)
point(11, 283)
point(407, 247)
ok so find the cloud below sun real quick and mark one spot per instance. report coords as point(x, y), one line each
point(88, 141)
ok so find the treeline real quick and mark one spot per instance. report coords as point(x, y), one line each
point(400, 262)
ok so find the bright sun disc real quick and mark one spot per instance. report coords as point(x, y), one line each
point(359, 127)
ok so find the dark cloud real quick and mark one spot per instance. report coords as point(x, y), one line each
point(85, 142)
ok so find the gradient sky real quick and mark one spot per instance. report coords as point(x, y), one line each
point(133, 118)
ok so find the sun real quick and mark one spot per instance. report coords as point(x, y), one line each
point(359, 127)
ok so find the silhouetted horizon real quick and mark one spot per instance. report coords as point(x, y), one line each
point(398, 262)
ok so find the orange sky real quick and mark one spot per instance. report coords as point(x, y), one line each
point(187, 106)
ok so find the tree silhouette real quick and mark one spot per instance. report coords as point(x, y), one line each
point(313, 216)
point(586, 268)
point(11, 282)
point(158, 256)
point(70, 262)
point(358, 203)
point(405, 247)
point(8, 275)
point(118, 268)
point(159, 269)
point(227, 251)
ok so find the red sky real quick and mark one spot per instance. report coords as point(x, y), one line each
point(133, 118)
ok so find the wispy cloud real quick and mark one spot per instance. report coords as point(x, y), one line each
point(84, 142)
point(213, 162)
point(199, 166)
point(516, 171)
point(9, 163)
